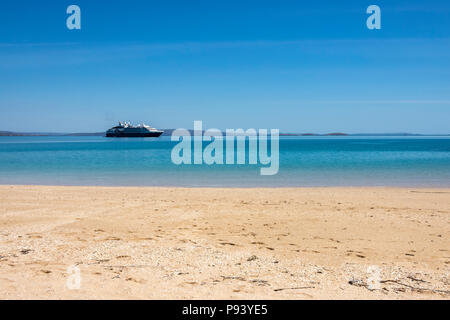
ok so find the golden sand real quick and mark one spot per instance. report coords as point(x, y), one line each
point(272, 243)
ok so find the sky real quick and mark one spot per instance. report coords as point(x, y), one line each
point(299, 66)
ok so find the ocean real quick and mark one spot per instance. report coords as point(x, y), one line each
point(304, 161)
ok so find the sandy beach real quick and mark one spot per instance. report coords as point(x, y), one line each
point(210, 243)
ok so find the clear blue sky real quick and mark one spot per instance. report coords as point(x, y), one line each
point(300, 66)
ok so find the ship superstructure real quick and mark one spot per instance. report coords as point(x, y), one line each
point(126, 129)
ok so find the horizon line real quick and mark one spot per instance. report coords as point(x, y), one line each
point(169, 130)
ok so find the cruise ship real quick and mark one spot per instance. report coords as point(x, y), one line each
point(125, 129)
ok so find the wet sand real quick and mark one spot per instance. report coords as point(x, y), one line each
point(186, 243)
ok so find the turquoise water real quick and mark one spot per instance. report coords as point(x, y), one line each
point(304, 161)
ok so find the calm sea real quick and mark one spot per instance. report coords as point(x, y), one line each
point(305, 161)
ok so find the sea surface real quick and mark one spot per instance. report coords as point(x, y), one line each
point(304, 161)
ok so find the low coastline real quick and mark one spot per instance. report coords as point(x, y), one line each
point(224, 243)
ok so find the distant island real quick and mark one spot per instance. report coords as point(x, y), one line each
point(168, 132)
point(46, 134)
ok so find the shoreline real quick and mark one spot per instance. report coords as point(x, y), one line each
point(224, 243)
point(228, 187)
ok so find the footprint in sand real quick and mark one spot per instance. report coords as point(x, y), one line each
point(258, 242)
point(113, 238)
point(228, 243)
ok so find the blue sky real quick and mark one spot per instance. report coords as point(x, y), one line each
point(300, 66)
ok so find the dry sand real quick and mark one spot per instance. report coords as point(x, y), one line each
point(170, 243)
